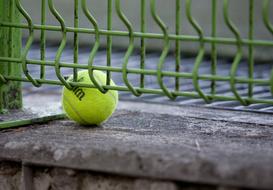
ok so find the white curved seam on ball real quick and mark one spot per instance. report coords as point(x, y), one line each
point(75, 110)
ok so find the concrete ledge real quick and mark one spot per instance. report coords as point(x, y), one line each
point(189, 144)
point(47, 178)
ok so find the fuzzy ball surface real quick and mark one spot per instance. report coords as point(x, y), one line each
point(88, 106)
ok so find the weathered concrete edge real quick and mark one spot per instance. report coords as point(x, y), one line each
point(200, 112)
point(185, 111)
point(136, 172)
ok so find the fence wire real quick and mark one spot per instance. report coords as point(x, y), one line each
point(162, 74)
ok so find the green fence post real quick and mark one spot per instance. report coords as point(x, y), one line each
point(10, 46)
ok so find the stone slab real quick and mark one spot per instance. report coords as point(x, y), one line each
point(192, 144)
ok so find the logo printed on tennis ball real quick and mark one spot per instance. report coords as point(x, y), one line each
point(88, 106)
point(78, 92)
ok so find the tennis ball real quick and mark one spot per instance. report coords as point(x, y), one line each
point(88, 106)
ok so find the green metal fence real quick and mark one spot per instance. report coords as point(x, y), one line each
point(14, 62)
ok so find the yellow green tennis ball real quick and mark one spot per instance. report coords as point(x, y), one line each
point(88, 106)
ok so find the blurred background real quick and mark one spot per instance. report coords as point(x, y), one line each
point(201, 11)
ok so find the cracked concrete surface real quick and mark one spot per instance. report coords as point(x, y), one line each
point(189, 144)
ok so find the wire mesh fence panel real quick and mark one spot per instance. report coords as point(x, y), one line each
point(142, 45)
